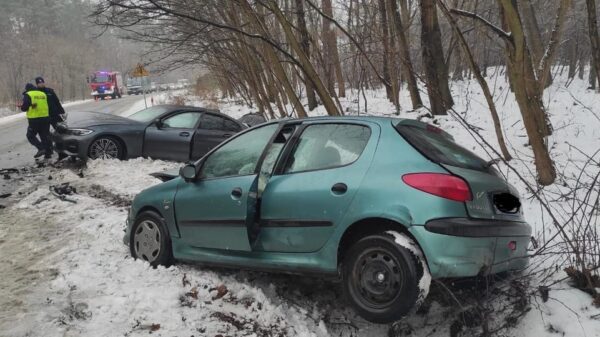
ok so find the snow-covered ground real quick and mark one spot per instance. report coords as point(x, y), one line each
point(80, 280)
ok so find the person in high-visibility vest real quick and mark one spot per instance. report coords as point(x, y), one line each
point(55, 109)
point(35, 105)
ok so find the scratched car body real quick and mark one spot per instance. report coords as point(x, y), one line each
point(356, 197)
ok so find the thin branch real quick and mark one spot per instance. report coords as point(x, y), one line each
point(499, 31)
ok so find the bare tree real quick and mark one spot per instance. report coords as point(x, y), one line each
point(594, 38)
point(332, 57)
point(482, 82)
point(404, 51)
point(436, 71)
point(305, 42)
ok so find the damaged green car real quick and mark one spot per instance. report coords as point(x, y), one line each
point(384, 203)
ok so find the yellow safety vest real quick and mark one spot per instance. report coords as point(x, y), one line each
point(40, 101)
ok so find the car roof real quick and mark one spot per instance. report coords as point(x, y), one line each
point(384, 121)
point(374, 119)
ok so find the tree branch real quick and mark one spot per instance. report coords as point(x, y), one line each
point(499, 31)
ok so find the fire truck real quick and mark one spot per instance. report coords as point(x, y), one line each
point(106, 84)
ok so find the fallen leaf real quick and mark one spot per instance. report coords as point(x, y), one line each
point(221, 291)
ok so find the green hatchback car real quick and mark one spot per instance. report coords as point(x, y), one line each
point(382, 202)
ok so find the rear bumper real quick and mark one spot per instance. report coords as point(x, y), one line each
point(470, 227)
point(461, 247)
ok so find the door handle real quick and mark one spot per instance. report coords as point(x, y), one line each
point(339, 188)
point(184, 134)
point(227, 135)
point(236, 193)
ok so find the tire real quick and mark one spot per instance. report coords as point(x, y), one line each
point(106, 147)
point(380, 278)
point(150, 240)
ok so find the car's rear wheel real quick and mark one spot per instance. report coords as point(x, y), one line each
point(150, 240)
point(106, 148)
point(380, 278)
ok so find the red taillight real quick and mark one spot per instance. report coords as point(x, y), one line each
point(443, 185)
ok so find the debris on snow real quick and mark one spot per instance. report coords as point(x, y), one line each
point(221, 291)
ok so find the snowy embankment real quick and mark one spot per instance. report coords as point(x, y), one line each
point(96, 289)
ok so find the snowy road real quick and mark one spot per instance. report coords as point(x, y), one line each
point(16, 151)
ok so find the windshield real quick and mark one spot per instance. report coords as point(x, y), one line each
point(148, 115)
point(99, 78)
point(440, 149)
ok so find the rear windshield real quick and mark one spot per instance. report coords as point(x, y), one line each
point(440, 149)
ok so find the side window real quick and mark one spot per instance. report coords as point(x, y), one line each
point(231, 126)
point(239, 156)
point(183, 120)
point(211, 122)
point(324, 146)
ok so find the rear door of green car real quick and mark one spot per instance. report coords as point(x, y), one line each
point(315, 179)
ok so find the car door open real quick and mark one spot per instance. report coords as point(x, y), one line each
point(212, 130)
point(212, 212)
point(171, 137)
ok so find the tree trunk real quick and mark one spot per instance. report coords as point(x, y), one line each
point(592, 75)
point(594, 39)
point(307, 67)
point(305, 43)
point(574, 52)
point(527, 92)
point(582, 63)
point(457, 74)
point(436, 71)
point(331, 51)
point(385, 40)
point(408, 69)
point(534, 37)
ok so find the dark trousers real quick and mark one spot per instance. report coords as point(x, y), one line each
point(40, 127)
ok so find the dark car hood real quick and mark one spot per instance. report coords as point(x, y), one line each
point(87, 119)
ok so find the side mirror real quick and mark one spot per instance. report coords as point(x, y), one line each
point(159, 123)
point(188, 172)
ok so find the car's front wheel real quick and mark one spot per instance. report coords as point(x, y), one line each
point(106, 148)
point(150, 240)
point(380, 278)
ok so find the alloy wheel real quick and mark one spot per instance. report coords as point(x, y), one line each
point(104, 148)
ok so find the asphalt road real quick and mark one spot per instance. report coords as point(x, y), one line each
point(15, 150)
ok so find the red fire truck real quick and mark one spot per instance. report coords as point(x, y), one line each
point(106, 84)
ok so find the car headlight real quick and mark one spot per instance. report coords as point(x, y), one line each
point(79, 132)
